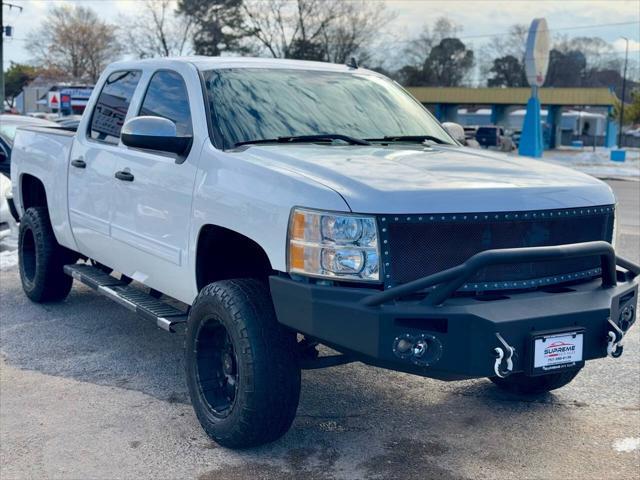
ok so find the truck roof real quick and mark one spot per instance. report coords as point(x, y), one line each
point(209, 63)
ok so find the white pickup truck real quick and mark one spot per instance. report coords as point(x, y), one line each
point(275, 205)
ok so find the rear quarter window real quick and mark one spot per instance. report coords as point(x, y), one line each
point(112, 105)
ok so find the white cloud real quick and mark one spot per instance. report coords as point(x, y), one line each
point(620, 45)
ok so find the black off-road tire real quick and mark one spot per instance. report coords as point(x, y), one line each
point(42, 258)
point(267, 371)
point(520, 384)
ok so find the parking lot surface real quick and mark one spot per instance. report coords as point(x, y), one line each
point(88, 390)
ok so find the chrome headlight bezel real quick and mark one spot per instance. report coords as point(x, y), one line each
point(320, 242)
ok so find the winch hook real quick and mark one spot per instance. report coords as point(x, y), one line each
point(501, 356)
point(614, 340)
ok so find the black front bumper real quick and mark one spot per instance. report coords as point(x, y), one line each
point(462, 333)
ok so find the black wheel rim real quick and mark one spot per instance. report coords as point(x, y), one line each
point(217, 367)
point(28, 248)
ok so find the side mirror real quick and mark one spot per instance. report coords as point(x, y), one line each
point(155, 133)
point(456, 131)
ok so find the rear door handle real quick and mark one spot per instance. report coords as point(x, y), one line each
point(79, 163)
point(124, 176)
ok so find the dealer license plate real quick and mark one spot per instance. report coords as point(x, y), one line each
point(557, 351)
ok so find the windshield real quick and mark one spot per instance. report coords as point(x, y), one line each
point(254, 104)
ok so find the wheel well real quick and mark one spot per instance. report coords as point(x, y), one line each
point(33, 192)
point(224, 254)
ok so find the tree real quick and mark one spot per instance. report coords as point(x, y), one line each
point(353, 30)
point(218, 25)
point(448, 63)
point(326, 30)
point(566, 69)
point(599, 54)
point(15, 77)
point(507, 71)
point(74, 40)
point(157, 32)
point(419, 48)
point(500, 46)
point(631, 110)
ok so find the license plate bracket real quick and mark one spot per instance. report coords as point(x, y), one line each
point(554, 351)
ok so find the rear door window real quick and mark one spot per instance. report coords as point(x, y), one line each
point(167, 97)
point(112, 105)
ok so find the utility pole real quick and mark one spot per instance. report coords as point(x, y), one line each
point(624, 87)
point(1, 59)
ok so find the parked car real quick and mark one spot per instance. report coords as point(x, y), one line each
point(290, 203)
point(496, 137)
point(6, 221)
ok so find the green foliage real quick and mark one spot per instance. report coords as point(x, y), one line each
point(15, 77)
point(631, 110)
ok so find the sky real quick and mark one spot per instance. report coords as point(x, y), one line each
point(479, 19)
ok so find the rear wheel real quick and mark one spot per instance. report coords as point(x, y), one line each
point(42, 259)
point(242, 368)
point(522, 384)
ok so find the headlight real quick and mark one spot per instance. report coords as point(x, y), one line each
point(337, 246)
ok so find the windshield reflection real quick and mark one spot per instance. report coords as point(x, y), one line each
point(254, 103)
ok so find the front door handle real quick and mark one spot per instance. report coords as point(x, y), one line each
point(79, 163)
point(124, 176)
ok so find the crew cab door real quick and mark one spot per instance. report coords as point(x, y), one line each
point(93, 163)
point(153, 192)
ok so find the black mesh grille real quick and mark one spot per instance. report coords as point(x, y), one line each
point(421, 245)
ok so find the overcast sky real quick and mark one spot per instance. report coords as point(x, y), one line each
point(477, 18)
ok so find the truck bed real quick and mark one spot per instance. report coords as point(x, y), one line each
point(43, 152)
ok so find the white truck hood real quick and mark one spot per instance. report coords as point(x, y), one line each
point(438, 179)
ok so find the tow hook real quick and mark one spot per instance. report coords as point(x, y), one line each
point(502, 357)
point(614, 340)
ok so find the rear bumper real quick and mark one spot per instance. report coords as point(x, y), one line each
point(461, 332)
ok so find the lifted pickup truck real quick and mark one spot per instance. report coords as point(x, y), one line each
point(272, 206)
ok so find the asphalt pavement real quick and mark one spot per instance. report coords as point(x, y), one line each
point(90, 391)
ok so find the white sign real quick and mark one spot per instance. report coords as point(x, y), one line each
point(53, 99)
point(557, 350)
point(536, 57)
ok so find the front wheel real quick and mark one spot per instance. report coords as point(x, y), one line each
point(521, 384)
point(241, 364)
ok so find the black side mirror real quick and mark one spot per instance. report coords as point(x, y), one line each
point(155, 133)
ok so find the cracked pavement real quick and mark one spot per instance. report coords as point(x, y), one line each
point(90, 391)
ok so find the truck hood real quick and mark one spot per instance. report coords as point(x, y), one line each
point(438, 179)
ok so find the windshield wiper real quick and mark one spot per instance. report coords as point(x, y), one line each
point(327, 137)
point(408, 138)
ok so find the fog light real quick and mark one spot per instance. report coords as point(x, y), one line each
point(423, 349)
point(420, 348)
point(626, 317)
point(403, 346)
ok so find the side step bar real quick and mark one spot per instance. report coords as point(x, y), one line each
point(164, 315)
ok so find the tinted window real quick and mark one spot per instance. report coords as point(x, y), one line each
point(253, 104)
point(112, 105)
point(167, 97)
